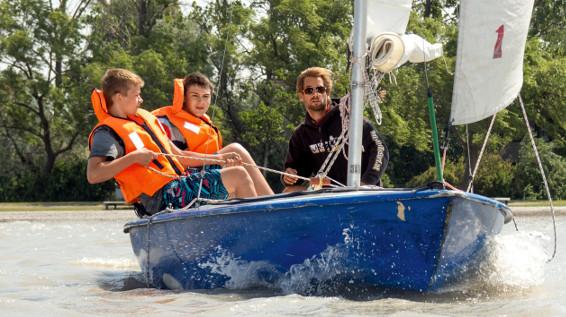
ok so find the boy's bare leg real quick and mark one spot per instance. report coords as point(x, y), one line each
point(238, 182)
point(261, 186)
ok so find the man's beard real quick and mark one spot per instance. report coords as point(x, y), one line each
point(319, 107)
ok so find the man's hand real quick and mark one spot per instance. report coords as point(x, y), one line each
point(290, 180)
point(143, 156)
point(318, 183)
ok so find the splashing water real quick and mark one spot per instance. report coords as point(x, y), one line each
point(309, 276)
point(510, 263)
point(242, 274)
point(118, 263)
point(517, 260)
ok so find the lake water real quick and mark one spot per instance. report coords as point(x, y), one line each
point(81, 264)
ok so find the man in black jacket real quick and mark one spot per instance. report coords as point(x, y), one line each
point(318, 135)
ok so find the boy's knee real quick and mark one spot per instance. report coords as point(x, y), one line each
point(236, 147)
point(240, 174)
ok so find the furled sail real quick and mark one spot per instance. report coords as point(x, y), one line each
point(390, 51)
point(390, 47)
point(489, 62)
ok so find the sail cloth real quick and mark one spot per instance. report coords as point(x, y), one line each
point(489, 62)
point(387, 16)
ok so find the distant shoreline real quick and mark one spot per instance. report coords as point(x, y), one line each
point(65, 215)
point(95, 210)
point(537, 210)
point(97, 205)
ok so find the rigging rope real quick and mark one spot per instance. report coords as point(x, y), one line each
point(480, 155)
point(338, 146)
point(223, 161)
point(468, 151)
point(371, 86)
point(546, 187)
point(372, 95)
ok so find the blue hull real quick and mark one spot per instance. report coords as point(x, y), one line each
point(403, 239)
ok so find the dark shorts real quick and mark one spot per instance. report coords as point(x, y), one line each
point(180, 192)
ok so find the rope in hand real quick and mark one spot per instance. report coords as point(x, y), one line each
point(223, 161)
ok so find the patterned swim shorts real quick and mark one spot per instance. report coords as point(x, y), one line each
point(179, 193)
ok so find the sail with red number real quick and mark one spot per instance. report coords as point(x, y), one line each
point(489, 64)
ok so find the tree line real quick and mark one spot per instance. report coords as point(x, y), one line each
point(53, 53)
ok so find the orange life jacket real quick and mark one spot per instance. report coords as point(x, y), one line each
point(138, 131)
point(199, 132)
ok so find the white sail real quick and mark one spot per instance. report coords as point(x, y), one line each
point(387, 16)
point(489, 64)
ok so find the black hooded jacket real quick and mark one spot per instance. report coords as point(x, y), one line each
point(311, 142)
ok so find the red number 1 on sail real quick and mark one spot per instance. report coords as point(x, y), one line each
point(497, 51)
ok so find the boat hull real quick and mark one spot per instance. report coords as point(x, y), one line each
point(404, 239)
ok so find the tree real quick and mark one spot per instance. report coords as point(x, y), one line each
point(527, 181)
point(548, 23)
point(40, 48)
point(150, 37)
point(223, 28)
point(288, 37)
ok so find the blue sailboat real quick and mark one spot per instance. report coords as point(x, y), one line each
point(414, 239)
point(410, 239)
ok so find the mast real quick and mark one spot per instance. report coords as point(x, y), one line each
point(358, 91)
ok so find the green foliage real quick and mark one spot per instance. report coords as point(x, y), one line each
point(544, 95)
point(40, 49)
point(451, 173)
point(495, 176)
point(66, 183)
point(548, 22)
point(527, 181)
point(51, 58)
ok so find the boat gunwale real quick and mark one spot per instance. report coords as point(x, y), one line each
point(228, 207)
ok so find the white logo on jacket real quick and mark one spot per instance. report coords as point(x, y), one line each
point(138, 143)
point(191, 127)
point(325, 146)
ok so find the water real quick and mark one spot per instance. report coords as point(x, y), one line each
point(81, 264)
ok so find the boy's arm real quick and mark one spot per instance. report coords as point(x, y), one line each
point(100, 170)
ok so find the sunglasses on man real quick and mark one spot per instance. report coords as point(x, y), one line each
point(311, 90)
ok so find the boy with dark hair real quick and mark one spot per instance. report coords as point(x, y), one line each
point(190, 128)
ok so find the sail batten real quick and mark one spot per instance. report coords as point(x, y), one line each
point(489, 64)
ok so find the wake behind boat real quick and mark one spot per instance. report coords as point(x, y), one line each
point(404, 239)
